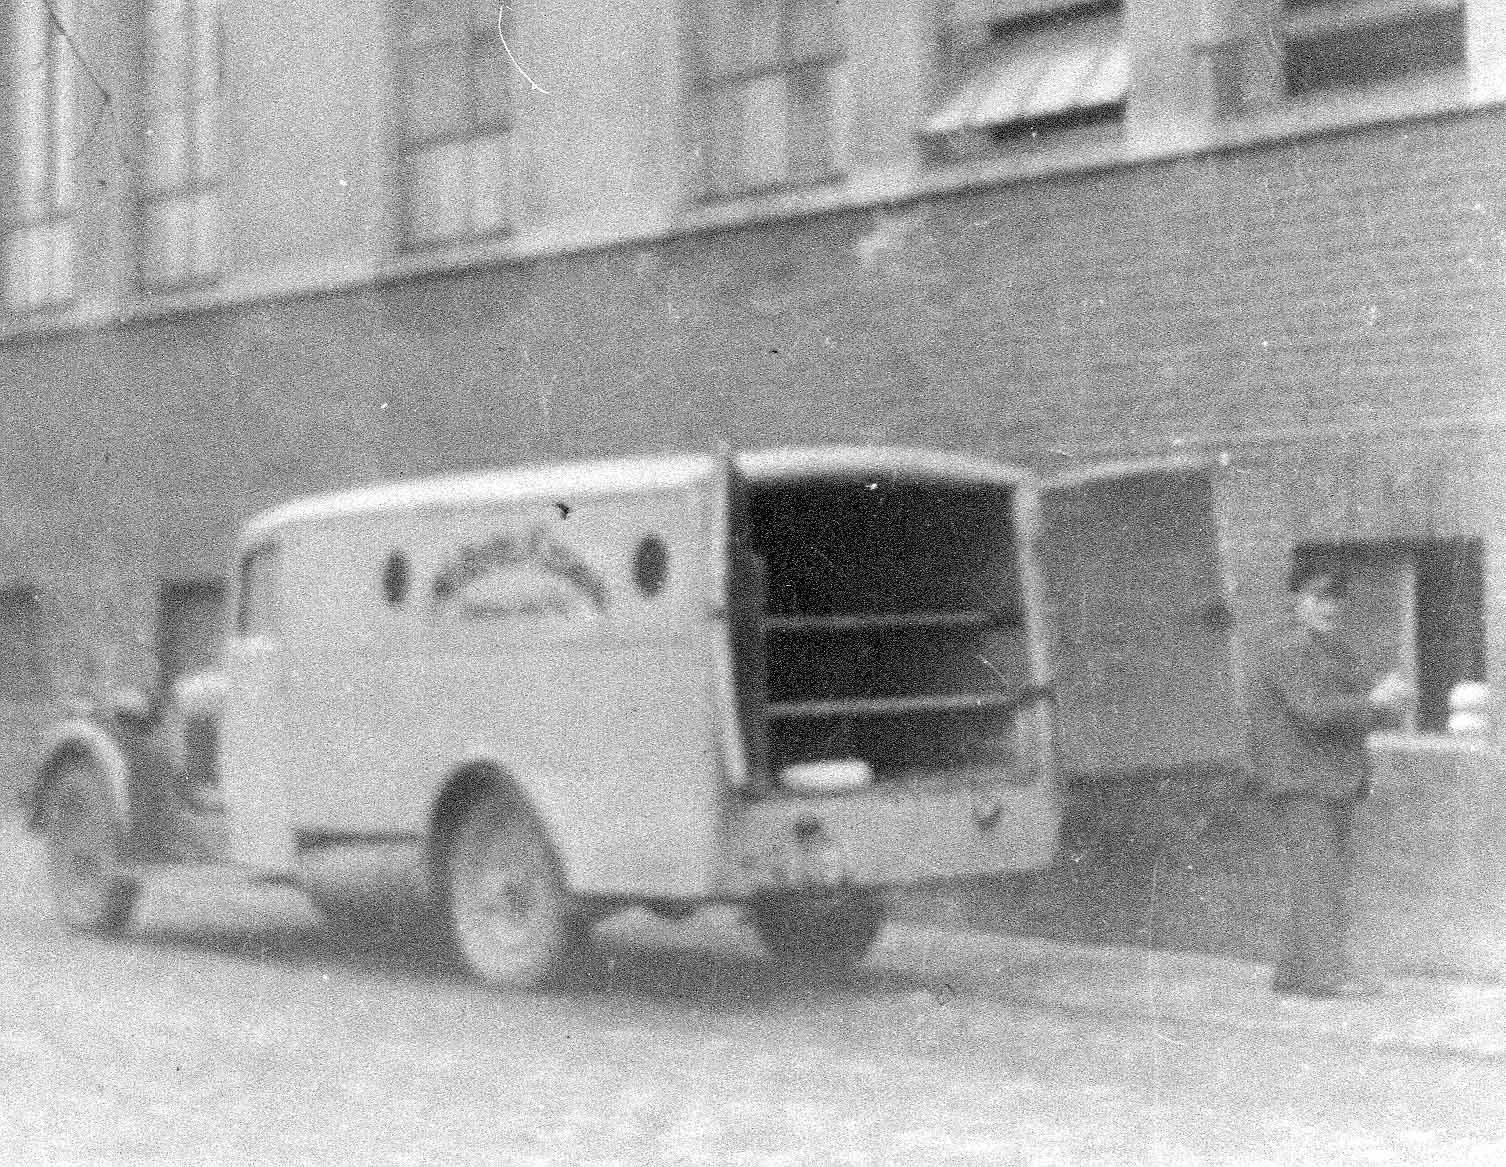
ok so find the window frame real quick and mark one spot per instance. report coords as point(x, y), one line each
point(805, 60)
point(1305, 25)
point(188, 201)
point(482, 142)
point(39, 256)
point(978, 40)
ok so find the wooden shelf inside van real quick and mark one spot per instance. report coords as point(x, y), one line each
point(892, 706)
point(801, 623)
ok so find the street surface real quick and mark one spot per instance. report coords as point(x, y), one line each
point(231, 1026)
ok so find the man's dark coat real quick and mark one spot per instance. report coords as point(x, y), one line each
point(1309, 714)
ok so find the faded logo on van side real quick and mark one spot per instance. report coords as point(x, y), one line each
point(525, 575)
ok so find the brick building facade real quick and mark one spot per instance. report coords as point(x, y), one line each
point(1233, 230)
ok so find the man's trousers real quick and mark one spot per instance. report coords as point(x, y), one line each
point(1319, 838)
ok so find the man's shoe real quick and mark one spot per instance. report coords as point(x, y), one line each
point(1349, 989)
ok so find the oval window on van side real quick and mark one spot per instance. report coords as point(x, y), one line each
point(651, 565)
point(256, 612)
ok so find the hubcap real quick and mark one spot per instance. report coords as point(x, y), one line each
point(499, 899)
point(503, 896)
point(505, 901)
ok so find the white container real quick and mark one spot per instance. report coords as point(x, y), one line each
point(827, 777)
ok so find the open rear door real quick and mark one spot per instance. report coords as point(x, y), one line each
point(1132, 569)
point(738, 594)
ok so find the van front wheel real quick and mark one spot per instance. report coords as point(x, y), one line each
point(507, 904)
point(819, 931)
point(91, 889)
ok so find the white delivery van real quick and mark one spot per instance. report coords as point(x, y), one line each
point(790, 680)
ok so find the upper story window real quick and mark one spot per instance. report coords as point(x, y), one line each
point(179, 209)
point(1337, 44)
point(1019, 71)
point(40, 74)
point(454, 144)
point(767, 77)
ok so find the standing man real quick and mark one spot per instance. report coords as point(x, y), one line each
point(1312, 706)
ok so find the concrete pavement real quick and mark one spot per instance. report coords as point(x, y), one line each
point(1451, 1018)
point(1447, 1017)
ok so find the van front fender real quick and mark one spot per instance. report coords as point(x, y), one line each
point(79, 740)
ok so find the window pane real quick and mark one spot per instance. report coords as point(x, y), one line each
point(58, 250)
point(997, 11)
point(167, 241)
point(1079, 76)
point(485, 15)
point(459, 88)
point(439, 194)
point(813, 29)
point(165, 146)
point(167, 26)
point(492, 170)
point(1373, 53)
point(737, 36)
point(433, 19)
point(1032, 73)
point(29, 110)
point(18, 278)
point(760, 152)
point(1450, 626)
point(812, 144)
point(494, 79)
point(437, 99)
point(204, 248)
point(206, 91)
point(166, 114)
point(39, 264)
point(60, 146)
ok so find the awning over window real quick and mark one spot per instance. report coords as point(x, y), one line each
point(1039, 75)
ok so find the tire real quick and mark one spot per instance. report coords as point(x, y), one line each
point(821, 932)
point(508, 910)
point(91, 889)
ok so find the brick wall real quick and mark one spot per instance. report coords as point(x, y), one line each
point(1346, 280)
point(1328, 312)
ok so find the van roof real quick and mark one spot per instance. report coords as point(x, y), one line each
point(566, 481)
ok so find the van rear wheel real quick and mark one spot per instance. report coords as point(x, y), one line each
point(828, 932)
point(509, 912)
point(91, 890)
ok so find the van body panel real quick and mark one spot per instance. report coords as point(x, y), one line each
point(611, 740)
point(892, 834)
point(565, 643)
point(649, 650)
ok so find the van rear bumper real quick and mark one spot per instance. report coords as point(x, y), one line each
point(893, 833)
